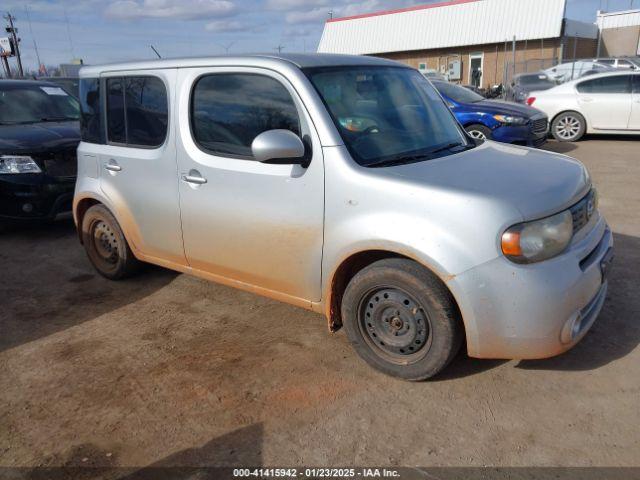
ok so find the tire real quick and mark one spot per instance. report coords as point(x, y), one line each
point(479, 132)
point(106, 245)
point(568, 127)
point(401, 319)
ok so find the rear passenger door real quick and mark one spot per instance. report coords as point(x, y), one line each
point(606, 101)
point(250, 222)
point(138, 163)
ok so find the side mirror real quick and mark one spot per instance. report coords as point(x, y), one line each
point(280, 147)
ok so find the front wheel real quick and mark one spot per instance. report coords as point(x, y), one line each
point(106, 245)
point(479, 132)
point(568, 127)
point(401, 319)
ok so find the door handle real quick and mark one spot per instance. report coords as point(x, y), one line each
point(194, 177)
point(113, 166)
point(586, 99)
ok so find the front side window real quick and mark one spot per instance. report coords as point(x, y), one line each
point(229, 110)
point(26, 103)
point(91, 129)
point(388, 115)
point(137, 111)
point(615, 84)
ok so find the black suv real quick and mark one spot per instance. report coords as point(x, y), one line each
point(39, 134)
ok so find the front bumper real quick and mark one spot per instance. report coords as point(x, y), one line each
point(520, 136)
point(35, 196)
point(540, 310)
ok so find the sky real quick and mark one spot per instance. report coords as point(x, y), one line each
point(103, 31)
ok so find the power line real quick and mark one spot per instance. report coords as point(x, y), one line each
point(33, 38)
point(66, 19)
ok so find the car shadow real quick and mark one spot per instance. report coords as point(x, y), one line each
point(616, 332)
point(559, 147)
point(49, 285)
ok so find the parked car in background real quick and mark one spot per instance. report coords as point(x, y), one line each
point(431, 74)
point(565, 72)
point(524, 83)
point(628, 63)
point(497, 120)
point(343, 185)
point(606, 103)
point(39, 134)
point(70, 85)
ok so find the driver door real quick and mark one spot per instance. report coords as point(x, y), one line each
point(245, 221)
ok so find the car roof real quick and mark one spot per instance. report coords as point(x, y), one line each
point(609, 73)
point(298, 60)
point(28, 83)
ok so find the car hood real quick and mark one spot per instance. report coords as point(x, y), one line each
point(535, 182)
point(501, 107)
point(39, 137)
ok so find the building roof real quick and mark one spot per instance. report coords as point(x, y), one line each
point(263, 60)
point(626, 18)
point(442, 25)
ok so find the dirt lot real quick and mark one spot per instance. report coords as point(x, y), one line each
point(166, 369)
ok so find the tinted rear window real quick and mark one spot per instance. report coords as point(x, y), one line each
point(228, 111)
point(91, 128)
point(146, 105)
point(115, 111)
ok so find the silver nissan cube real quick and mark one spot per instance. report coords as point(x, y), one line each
point(343, 185)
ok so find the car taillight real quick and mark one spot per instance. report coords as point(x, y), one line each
point(530, 100)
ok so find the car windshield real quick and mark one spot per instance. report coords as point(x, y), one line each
point(457, 93)
point(28, 103)
point(387, 115)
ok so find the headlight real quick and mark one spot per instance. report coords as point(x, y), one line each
point(17, 164)
point(539, 240)
point(510, 120)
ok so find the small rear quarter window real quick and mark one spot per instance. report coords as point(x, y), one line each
point(91, 128)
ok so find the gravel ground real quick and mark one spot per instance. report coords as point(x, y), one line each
point(166, 369)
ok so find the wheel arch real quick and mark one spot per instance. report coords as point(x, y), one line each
point(350, 266)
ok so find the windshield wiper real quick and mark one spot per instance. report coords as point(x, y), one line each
point(57, 119)
point(401, 160)
point(451, 146)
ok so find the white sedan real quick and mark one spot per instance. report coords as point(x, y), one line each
point(606, 103)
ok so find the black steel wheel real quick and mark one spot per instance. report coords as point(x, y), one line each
point(106, 245)
point(401, 319)
point(395, 323)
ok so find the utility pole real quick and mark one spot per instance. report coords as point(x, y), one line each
point(5, 64)
point(35, 45)
point(279, 48)
point(227, 46)
point(13, 31)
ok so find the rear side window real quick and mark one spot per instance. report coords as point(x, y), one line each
point(616, 84)
point(91, 128)
point(146, 105)
point(228, 111)
point(116, 128)
point(137, 111)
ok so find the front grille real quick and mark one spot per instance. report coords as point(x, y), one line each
point(60, 164)
point(539, 126)
point(583, 211)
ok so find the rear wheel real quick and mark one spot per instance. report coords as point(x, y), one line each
point(479, 132)
point(401, 319)
point(106, 245)
point(568, 127)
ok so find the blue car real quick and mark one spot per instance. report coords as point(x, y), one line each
point(501, 121)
